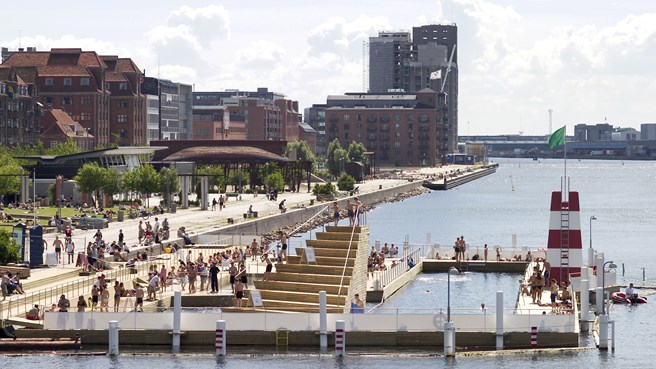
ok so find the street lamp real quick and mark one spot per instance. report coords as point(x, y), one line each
point(449, 327)
point(611, 265)
point(590, 250)
point(239, 166)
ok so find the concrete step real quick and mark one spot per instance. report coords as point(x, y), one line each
point(33, 283)
point(347, 229)
point(323, 260)
point(294, 286)
point(336, 253)
point(300, 297)
point(319, 270)
point(304, 278)
point(331, 244)
point(341, 236)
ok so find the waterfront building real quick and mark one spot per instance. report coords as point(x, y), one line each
point(102, 93)
point(648, 131)
point(593, 132)
point(18, 107)
point(169, 109)
point(267, 115)
point(398, 62)
point(401, 129)
point(315, 117)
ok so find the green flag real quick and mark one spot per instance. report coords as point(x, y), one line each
point(557, 138)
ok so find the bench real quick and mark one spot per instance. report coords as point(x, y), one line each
point(231, 221)
point(250, 215)
point(232, 194)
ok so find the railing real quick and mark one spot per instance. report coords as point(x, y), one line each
point(387, 320)
point(386, 277)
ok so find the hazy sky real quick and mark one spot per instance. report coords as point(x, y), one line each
point(588, 60)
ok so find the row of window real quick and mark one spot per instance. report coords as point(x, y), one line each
point(84, 82)
point(84, 100)
point(383, 118)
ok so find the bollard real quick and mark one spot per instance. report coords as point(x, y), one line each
point(220, 338)
point(177, 311)
point(340, 339)
point(323, 322)
point(585, 305)
point(113, 338)
point(534, 337)
point(603, 332)
point(591, 257)
point(499, 320)
point(599, 267)
point(449, 339)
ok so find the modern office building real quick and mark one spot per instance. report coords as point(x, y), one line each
point(401, 129)
point(593, 132)
point(315, 117)
point(398, 62)
point(169, 109)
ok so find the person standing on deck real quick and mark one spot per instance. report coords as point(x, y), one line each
point(283, 250)
point(357, 204)
point(239, 292)
point(335, 213)
point(214, 279)
point(350, 211)
point(485, 252)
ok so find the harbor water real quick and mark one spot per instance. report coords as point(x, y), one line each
point(515, 200)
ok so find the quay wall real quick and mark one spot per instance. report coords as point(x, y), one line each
point(299, 215)
point(205, 339)
point(439, 266)
point(377, 296)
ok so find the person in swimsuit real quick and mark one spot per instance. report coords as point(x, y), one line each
point(335, 213)
point(269, 267)
point(239, 292)
point(283, 250)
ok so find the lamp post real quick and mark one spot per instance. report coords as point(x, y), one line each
point(239, 166)
point(590, 250)
point(611, 265)
point(449, 327)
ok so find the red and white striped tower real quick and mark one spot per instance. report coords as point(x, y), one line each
point(564, 247)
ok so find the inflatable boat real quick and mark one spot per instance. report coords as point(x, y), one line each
point(620, 298)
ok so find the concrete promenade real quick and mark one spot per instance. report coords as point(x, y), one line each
point(198, 222)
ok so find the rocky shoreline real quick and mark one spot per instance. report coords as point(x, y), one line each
point(326, 217)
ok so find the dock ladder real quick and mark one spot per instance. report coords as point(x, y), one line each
point(282, 337)
point(564, 236)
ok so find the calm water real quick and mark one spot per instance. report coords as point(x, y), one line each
point(515, 200)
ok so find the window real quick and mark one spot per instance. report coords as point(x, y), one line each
point(346, 117)
point(123, 104)
point(67, 100)
point(85, 100)
point(108, 86)
point(123, 86)
point(84, 81)
point(85, 116)
point(410, 118)
point(54, 144)
point(49, 100)
point(68, 81)
point(122, 118)
point(48, 81)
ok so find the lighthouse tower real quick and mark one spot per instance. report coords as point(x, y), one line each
point(564, 247)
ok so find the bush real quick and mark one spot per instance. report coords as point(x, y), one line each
point(323, 189)
point(345, 182)
point(9, 251)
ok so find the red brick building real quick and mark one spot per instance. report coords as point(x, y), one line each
point(81, 84)
point(217, 123)
point(57, 127)
point(18, 108)
point(402, 129)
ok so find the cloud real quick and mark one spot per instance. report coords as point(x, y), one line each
point(340, 37)
point(207, 23)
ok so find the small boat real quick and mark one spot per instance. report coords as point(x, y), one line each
point(620, 298)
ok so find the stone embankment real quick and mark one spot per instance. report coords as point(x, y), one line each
point(326, 217)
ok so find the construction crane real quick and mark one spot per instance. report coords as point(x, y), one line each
point(448, 68)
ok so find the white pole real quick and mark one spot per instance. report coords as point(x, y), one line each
point(340, 339)
point(585, 304)
point(499, 320)
point(449, 339)
point(177, 311)
point(323, 322)
point(113, 338)
point(599, 266)
point(603, 332)
point(599, 298)
point(220, 339)
point(514, 240)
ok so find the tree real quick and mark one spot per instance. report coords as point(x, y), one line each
point(91, 178)
point(10, 173)
point(9, 251)
point(345, 182)
point(112, 181)
point(301, 151)
point(235, 175)
point(169, 183)
point(143, 179)
point(274, 181)
point(336, 158)
point(356, 151)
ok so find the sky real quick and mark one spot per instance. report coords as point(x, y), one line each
point(591, 61)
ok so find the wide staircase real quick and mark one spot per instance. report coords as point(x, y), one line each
point(340, 270)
